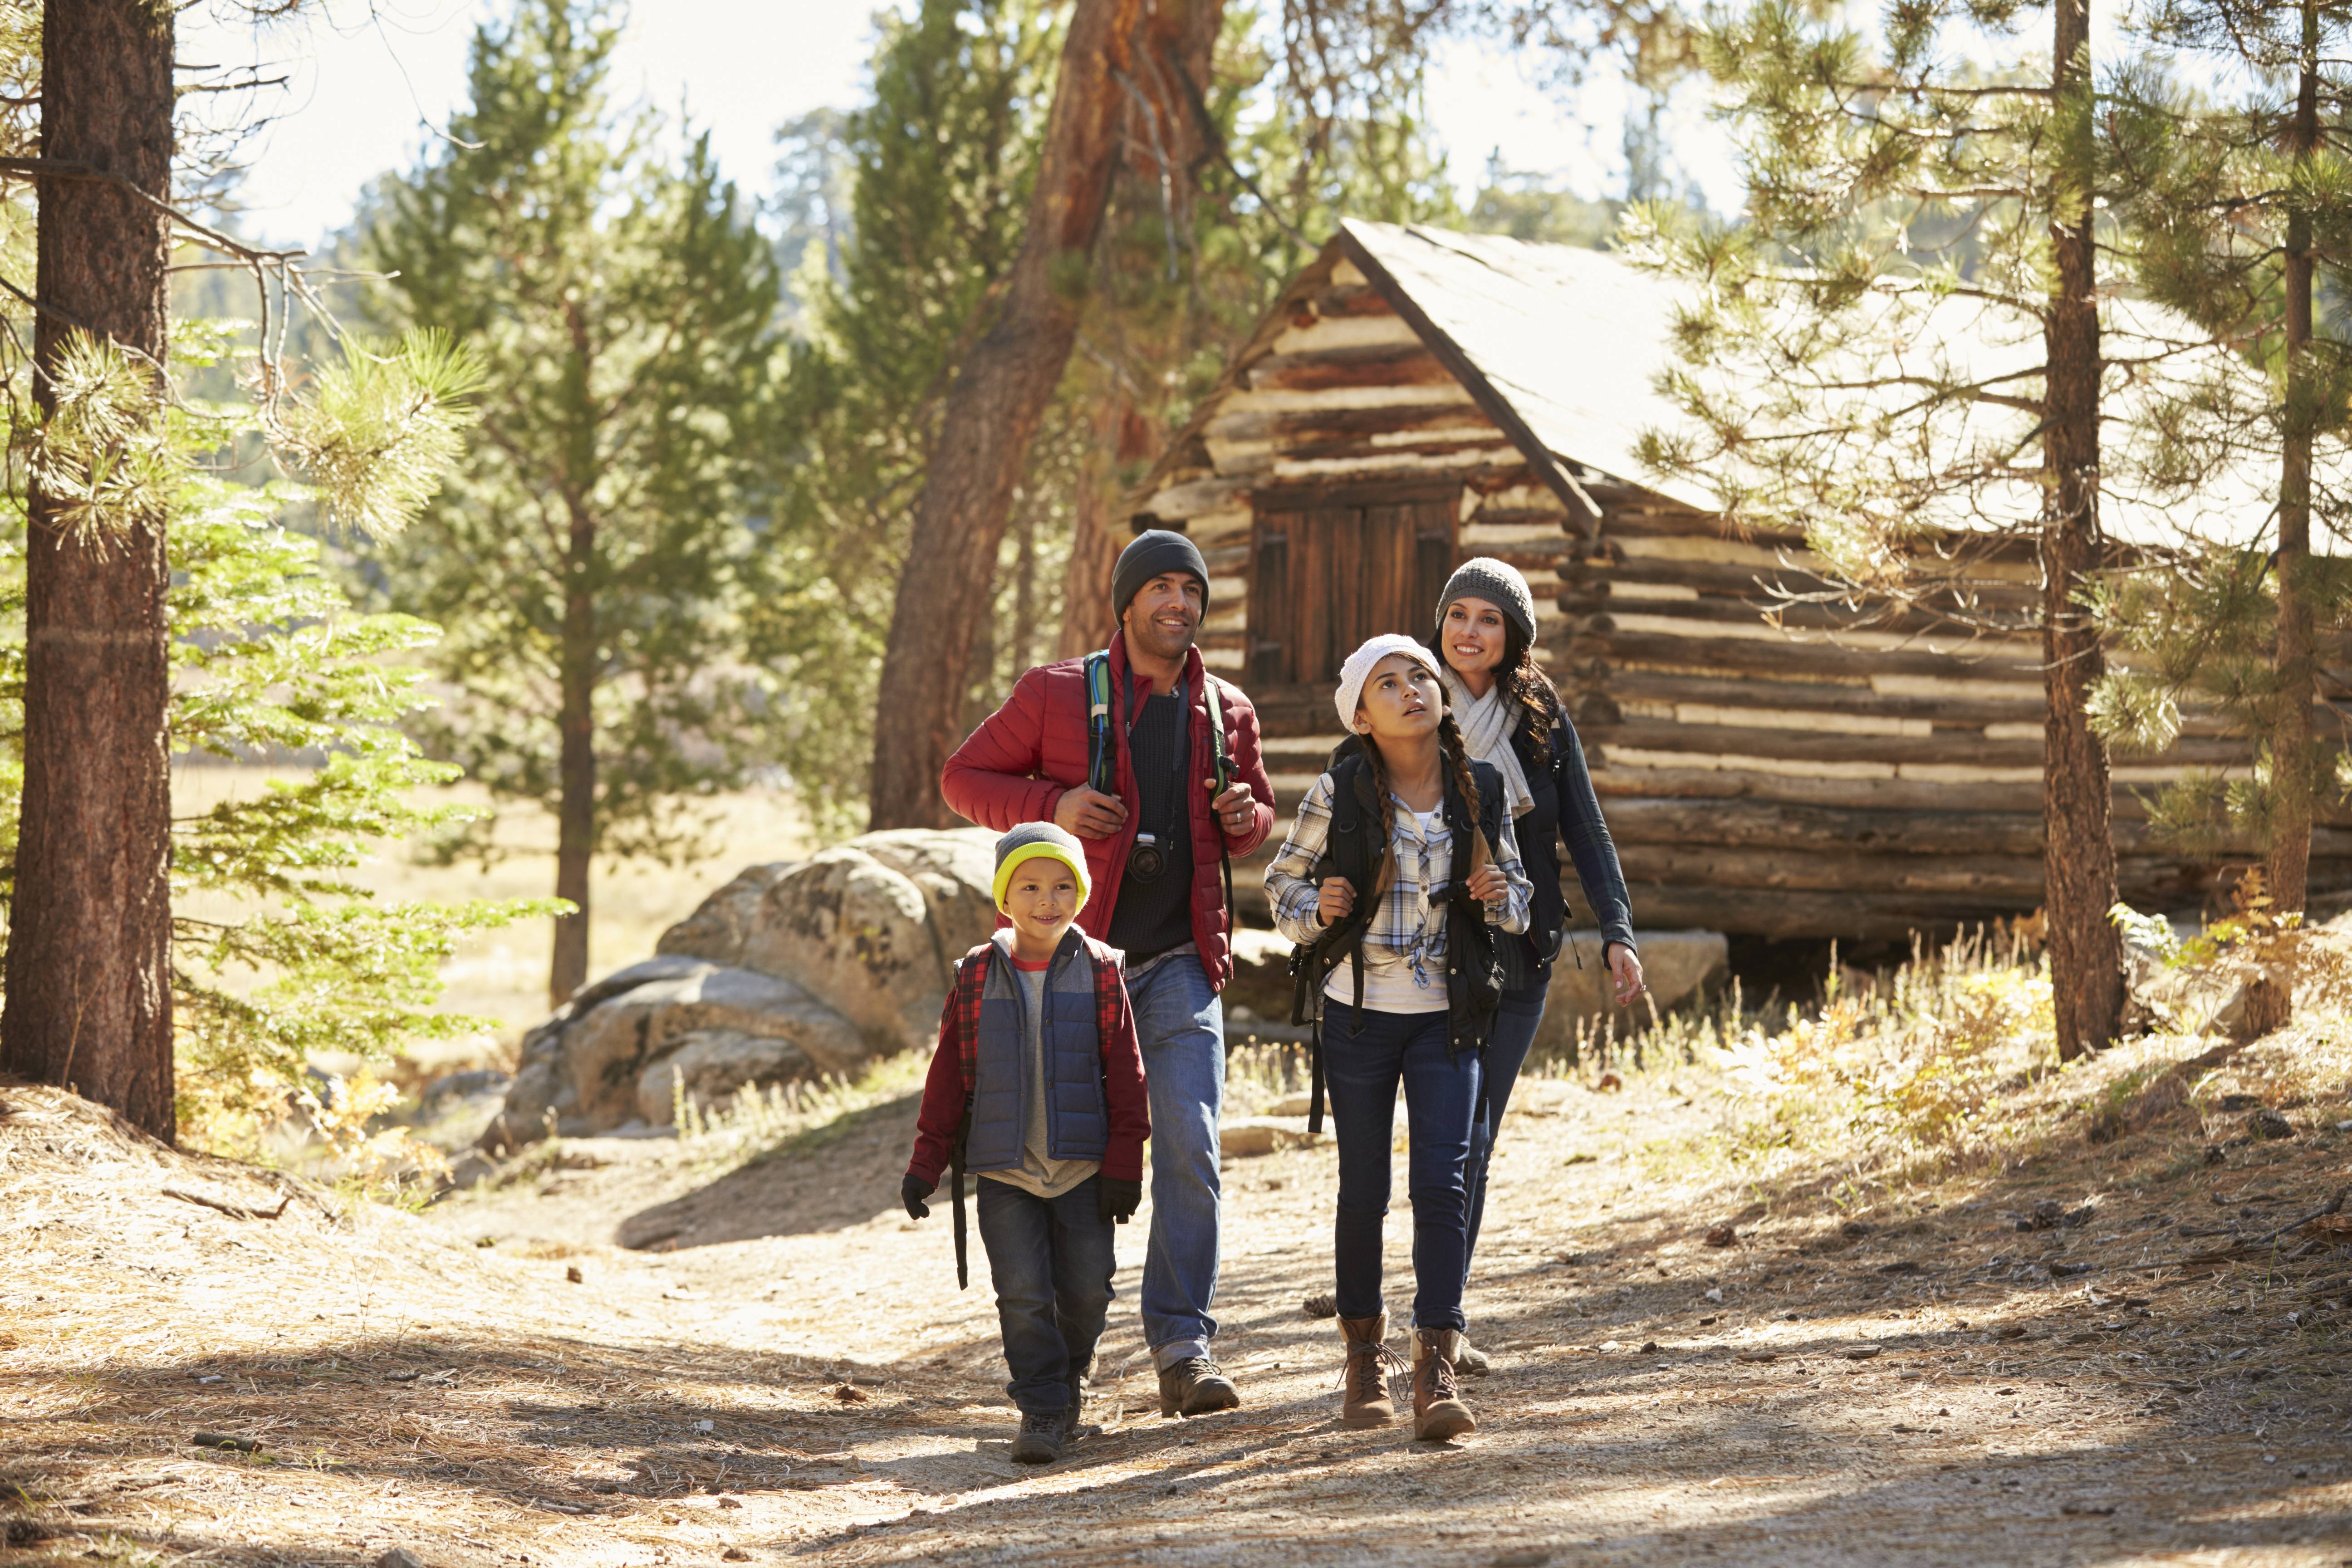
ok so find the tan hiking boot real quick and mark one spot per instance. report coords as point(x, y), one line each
point(1438, 1412)
point(1471, 1362)
point(1364, 1382)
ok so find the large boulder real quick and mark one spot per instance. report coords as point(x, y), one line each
point(789, 972)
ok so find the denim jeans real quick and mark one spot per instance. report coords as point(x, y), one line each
point(1050, 1260)
point(1440, 1100)
point(1506, 1051)
point(1180, 1025)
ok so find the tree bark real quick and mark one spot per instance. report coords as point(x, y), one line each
point(999, 395)
point(2079, 862)
point(1094, 553)
point(575, 821)
point(2270, 1003)
point(88, 964)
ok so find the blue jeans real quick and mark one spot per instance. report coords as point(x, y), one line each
point(1441, 1102)
point(1050, 1260)
point(1506, 1051)
point(1180, 1025)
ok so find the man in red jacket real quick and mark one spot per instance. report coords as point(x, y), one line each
point(1153, 848)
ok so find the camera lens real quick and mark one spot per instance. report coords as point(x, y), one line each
point(1146, 861)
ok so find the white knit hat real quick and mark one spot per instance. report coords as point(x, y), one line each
point(1359, 668)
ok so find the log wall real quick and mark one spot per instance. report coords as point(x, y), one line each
point(1786, 775)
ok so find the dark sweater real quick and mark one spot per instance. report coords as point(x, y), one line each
point(1566, 807)
point(1152, 917)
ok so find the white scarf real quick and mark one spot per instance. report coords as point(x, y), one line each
point(1486, 723)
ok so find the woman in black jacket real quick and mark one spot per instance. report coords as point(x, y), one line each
point(1510, 715)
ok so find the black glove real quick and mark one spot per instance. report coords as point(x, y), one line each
point(1115, 1200)
point(912, 1190)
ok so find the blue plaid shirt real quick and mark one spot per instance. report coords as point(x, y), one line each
point(1409, 927)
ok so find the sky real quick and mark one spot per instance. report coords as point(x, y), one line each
point(365, 79)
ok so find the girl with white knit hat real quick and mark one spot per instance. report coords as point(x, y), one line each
point(1511, 717)
point(1400, 876)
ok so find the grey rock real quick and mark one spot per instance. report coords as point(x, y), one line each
point(789, 972)
point(716, 931)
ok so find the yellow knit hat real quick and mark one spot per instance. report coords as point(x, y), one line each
point(1029, 841)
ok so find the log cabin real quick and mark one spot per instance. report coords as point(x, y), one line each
point(1417, 397)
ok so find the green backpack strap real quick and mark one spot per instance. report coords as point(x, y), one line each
point(1221, 779)
point(1101, 759)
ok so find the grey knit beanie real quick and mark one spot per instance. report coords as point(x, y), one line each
point(1499, 583)
point(1152, 552)
point(1031, 839)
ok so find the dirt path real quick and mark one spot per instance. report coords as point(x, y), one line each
point(797, 1379)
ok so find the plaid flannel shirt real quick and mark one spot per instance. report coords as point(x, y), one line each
point(1409, 925)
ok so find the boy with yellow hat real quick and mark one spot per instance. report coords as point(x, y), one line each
point(1037, 1085)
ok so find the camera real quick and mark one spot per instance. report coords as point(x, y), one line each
point(1147, 860)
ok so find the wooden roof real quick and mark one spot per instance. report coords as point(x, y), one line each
point(1563, 348)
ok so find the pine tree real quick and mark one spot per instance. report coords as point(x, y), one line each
point(2235, 213)
point(596, 562)
point(148, 607)
point(1900, 353)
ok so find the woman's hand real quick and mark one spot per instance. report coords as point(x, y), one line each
point(1335, 900)
point(1626, 973)
point(1488, 885)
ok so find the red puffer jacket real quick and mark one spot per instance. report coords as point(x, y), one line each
point(1016, 766)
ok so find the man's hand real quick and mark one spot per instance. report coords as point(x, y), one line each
point(1116, 1201)
point(1334, 899)
point(1088, 813)
point(1625, 971)
point(1235, 809)
point(912, 1190)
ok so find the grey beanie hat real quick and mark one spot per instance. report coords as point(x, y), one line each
point(1152, 552)
point(1031, 839)
point(1499, 583)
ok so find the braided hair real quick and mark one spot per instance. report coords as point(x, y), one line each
point(1457, 757)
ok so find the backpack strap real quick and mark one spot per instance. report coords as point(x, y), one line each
point(1221, 778)
point(971, 983)
point(1102, 763)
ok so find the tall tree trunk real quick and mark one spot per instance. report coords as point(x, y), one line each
point(1000, 393)
point(88, 963)
point(576, 820)
point(2079, 856)
point(1094, 550)
point(2270, 1003)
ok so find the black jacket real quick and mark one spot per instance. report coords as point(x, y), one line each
point(1564, 808)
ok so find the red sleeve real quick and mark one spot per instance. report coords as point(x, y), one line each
point(1249, 768)
point(942, 1112)
point(988, 781)
point(1130, 1108)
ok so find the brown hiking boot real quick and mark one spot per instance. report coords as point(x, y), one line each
point(1364, 1382)
point(1194, 1386)
point(1438, 1412)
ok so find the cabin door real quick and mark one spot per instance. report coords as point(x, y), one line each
point(1329, 576)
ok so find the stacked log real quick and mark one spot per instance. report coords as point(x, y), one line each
point(1771, 761)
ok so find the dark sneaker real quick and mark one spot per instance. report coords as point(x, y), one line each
point(1073, 1412)
point(1194, 1386)
point(1040, 1442)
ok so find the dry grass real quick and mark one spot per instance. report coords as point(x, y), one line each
point(502, 974)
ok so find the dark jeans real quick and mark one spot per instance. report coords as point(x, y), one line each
point(1050, 1260)
point(1506, 1051)
point(1441, 1100)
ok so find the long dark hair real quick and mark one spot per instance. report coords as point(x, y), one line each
point(1518, 675)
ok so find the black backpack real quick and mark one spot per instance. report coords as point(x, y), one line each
point(1474, 971)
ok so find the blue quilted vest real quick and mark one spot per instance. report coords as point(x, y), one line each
point(1078, 1117)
